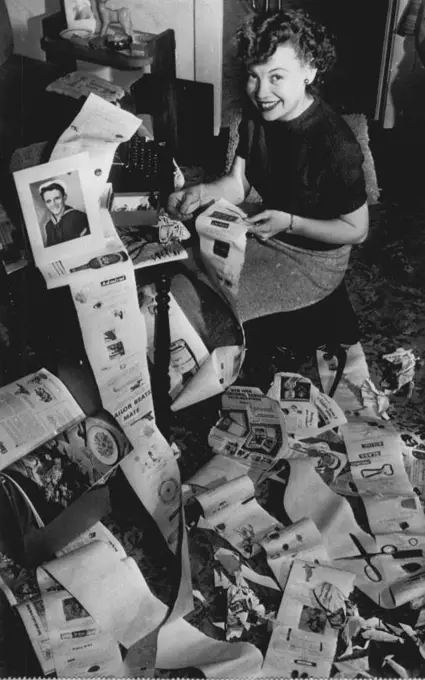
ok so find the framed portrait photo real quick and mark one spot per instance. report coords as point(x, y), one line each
point(61, 212)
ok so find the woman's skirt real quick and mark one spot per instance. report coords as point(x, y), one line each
point(278, 277)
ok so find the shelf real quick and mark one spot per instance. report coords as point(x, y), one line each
point(156, 52)
point(59, 47)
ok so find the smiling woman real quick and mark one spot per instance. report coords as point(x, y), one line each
point(306, 164)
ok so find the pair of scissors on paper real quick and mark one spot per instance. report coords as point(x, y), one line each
point(371, 571)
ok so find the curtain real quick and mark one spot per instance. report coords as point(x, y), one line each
point(407, 24)
point(420, 32)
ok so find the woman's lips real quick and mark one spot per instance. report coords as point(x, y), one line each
point(263, 106)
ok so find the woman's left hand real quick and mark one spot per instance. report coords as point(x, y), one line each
point(268, 223)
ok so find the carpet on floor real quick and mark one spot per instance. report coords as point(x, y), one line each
point(386, 282)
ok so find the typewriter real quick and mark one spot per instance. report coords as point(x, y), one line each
point(143, 165)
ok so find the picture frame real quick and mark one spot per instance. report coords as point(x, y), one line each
point(80, 15)
point(61, 213)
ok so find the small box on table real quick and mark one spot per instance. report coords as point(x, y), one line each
point(132, 209)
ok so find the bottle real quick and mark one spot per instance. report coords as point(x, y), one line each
point(102, 261)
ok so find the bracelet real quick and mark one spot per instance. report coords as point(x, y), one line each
point(291, 224)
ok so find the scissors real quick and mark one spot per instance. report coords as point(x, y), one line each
point(371, 571)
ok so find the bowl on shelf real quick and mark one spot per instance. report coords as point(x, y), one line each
point(76, 34)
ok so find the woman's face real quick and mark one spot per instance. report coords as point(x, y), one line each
point(277, 88)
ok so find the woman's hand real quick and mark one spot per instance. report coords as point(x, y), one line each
point(182, 204)
point(268, 223)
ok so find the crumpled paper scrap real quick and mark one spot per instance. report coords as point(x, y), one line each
point(244, 608)
point(400, 372)
point(358, 632)
point(170, 229)
point(353, 668)
point(395, 666)
point(332, 601)
point(374, 400)
point(415, 636)
point(345, 485)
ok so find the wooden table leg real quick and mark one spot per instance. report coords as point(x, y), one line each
point(161, 377)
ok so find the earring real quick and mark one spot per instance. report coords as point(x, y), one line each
point(306, 81)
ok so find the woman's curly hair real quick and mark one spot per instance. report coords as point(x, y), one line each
point(260, 35)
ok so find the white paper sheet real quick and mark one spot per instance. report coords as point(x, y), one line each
point(234, 513)
point(402, 564)
point(301, 540)
point(218, 371)
point(303, 639)
point(222, 232)
point(34, 619)
point(181, 645)
point(251, 429)
point(383, 479)
point(114, 337)
point(79, 646)
point(45, 636)
point(374, 449)
point(329, 461)
point(414, 462)
point(219, 470)
point(112, 590)
point(153, 473)
point(306, 495)
point(98, 129)
point(308, 412)
point(406, 589)
point(98, 532)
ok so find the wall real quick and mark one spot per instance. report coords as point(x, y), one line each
point(208, 29)
point(200, 20)
point(25, 17)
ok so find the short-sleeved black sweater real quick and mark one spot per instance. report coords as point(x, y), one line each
point(309, 166)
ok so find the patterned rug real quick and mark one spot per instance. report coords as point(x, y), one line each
point(386, 280)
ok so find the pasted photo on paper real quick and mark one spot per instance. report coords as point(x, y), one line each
point(58, 472)
point(60, 209)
